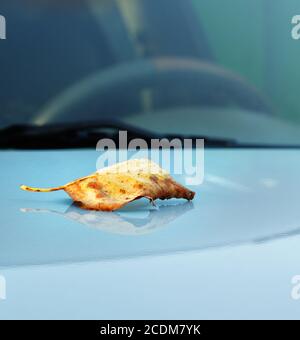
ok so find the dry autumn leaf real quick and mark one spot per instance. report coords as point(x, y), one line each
point(113, 187)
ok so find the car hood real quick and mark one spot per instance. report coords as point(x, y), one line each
point(247, 197)
point(231, 253)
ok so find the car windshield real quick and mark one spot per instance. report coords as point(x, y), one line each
point(169, 66)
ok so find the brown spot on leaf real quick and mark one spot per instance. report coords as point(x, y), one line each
point(94, 185)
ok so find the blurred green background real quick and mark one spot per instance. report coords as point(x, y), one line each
point(254, 39)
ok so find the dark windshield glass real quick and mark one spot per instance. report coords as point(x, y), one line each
point(173, 66)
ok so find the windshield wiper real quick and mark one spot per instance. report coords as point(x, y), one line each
point(85, 135)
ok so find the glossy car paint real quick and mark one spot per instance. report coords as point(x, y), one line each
point(231, 253)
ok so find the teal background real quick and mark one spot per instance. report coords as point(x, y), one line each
point(254, 39)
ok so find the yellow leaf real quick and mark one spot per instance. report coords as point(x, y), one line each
point(113, 187)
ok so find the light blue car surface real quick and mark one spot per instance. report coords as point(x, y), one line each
point(231, 253)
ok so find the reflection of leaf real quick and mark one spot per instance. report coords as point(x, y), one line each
point(122, 222)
